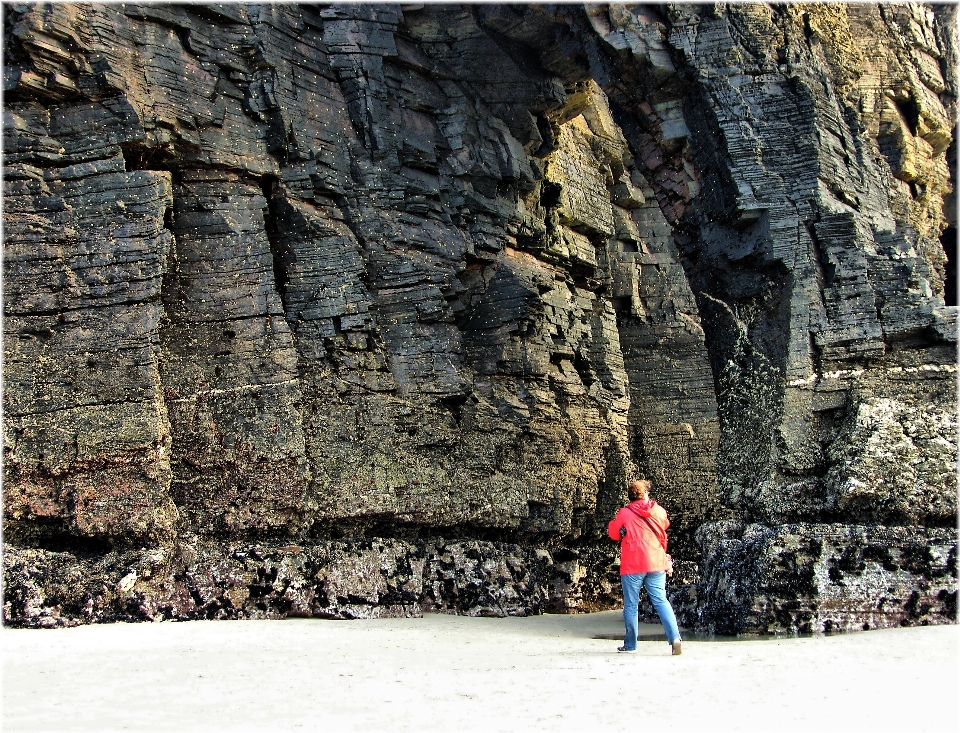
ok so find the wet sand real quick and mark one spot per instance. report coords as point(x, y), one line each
point(449, 673)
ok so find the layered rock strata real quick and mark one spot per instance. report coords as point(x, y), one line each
point(391, 285)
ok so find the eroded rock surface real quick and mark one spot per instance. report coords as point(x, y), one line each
point(830, 577)
point(416, 289)
point(339, 579)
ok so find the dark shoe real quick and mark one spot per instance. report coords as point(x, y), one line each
point(676, 648)
point(624, 650)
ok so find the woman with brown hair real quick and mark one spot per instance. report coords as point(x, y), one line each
point(641, 529)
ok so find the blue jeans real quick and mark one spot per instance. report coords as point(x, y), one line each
point(656, 588)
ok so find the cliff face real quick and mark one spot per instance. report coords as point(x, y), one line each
point(353, 310)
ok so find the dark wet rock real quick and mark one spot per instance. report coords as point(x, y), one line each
point(800, 578)
point(337, 579)
point(309, 275)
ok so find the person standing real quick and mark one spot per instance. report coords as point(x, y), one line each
point(641, 529)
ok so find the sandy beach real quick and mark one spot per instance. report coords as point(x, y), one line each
point(449, 673)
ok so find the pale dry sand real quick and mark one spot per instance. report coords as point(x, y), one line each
point(448, 673)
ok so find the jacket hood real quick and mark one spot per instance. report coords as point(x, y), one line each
point(643, 507)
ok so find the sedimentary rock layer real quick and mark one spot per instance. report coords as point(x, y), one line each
point(299, 275)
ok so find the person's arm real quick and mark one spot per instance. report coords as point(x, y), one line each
point(616, 528)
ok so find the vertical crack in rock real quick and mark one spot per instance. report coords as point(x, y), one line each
point(949, 241)
point(229, 366)
point(283, 257)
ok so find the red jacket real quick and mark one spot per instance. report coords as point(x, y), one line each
point(643, 549)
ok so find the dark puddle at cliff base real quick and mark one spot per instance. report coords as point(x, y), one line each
point(697, 636)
